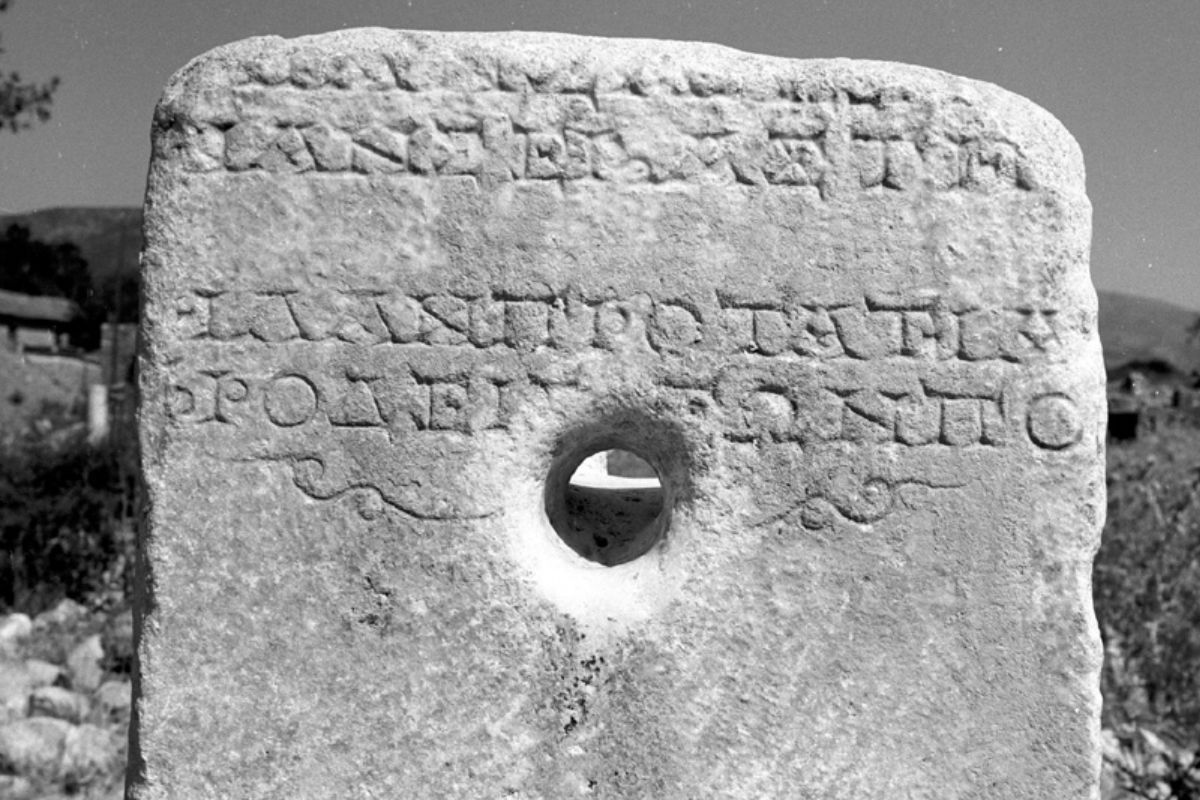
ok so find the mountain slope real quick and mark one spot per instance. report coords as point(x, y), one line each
point(109, 238)
point(1144, 330)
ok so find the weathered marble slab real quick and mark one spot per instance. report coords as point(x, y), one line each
point(398, 285)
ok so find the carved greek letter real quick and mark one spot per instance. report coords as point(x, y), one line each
point(290, 400)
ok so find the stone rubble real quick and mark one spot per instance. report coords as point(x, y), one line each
point(63, 726)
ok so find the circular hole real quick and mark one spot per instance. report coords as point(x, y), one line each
point(608, 505)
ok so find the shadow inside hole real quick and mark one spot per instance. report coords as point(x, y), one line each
point(611, 518)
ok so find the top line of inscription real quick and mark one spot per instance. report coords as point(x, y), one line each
point(413, 68)
point(311, 110)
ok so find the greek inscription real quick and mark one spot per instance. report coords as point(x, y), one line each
point(446, 321)
point(625, 131)
point(354, 405)
point(757, 403)
point(401, 317)
point(290, 400)
point(448, 407)
point(1037, 331)
point(674, 327)
point(868, 334)
point(572, 324)
point(868, 416)
point(918, 420)
point(795, 162)
point(925, 328)
point(771, 333)
point(768, 412)
point(526, 324)
point(182, 403)
point(1054, 422)
point(931, 335)
point(962, 423)
point(620, 323)
point(815, 334)
point(404, 403)
point(231, 393)
point(868, 163)
point(806, 408)
point(736, 327)
point(191, 315)
point(396, 402)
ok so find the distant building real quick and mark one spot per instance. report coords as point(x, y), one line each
point(1151, 396)
point(35, 324)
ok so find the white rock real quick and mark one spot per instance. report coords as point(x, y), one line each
point(88, 753)
point(15, 686)
point(13, 629)
point(115, 698)
point(33, 747)
point(14, 787)
point(43, 673)
point(1154, 743)
point(67, 612)
point(1110, 745)
point(84, 664)
point(55, 701)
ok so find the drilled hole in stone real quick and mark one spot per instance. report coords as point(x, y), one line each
point(611, 508)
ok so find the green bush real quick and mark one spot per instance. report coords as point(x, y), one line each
point(1147, 583)
point(67, 521)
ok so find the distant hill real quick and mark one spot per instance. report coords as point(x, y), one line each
point(1148, 332)
point(1133, 329)
point(109, 238)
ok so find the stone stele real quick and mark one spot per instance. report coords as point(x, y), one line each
point(399, 285)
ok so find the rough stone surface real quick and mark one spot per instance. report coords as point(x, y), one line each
point(399, 285)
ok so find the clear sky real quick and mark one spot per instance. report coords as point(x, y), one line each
point(1122, 75)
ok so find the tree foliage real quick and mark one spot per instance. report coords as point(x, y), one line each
point(23, 102)
point(42, 269)
point(66, 520)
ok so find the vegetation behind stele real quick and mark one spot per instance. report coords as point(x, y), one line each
point(1147, 580)
point(68, 513)
point(1146, 585)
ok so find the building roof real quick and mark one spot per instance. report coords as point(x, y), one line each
point(37, 309)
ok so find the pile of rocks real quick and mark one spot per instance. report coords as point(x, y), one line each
point(1139, 763)
point(64, 703)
